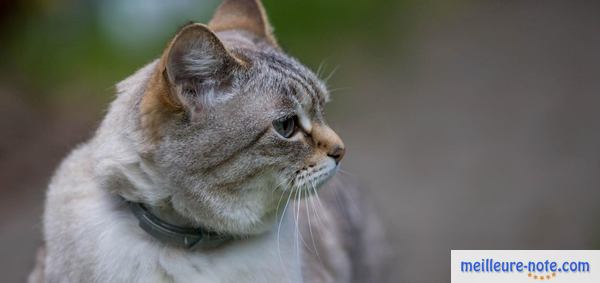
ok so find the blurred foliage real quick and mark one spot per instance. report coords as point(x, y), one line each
point(93, 44)
point(312, 29)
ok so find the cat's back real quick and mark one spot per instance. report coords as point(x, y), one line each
point(70, 185)
point(72, 182)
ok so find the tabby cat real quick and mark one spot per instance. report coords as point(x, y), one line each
point(206, 168)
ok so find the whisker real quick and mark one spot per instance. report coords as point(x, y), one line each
point(281, 184)
point(320, 68)
point(338, 89)
point(316, 209)
point(300, 200)
point(279, 204)
point(296, 229)
point(279, 232)
point(318, 198)
point(351, 201)
point(312, 238)
point(318, 216)
point(336, 195)
point(345, 172)
point(331, 74)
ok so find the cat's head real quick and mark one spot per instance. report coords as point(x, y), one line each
point(233, 124)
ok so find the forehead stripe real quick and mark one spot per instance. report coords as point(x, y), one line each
point(285, 66)
point(309, 90)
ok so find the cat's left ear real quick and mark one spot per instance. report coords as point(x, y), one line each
point(246, 15)
point(196, 54)
point(193, 71)
point(196, 66)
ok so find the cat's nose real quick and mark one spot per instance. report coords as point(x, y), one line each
point(337, 153)
point(328, 141)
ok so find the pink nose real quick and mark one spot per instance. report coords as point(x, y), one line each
point(337, 153)
point(327, 140)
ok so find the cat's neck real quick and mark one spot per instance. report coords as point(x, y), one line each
point(165, 212)
point(192, 238)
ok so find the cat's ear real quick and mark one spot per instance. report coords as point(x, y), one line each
point(197, 65)
point(193, 71)
point(248, 15)
point(196, 55)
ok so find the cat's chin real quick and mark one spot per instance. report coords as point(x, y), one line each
point(311, 180)
point(238, 215)
point(242, 227)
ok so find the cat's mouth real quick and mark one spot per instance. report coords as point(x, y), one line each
point(311, 178)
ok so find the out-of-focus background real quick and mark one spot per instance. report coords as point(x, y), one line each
point(471, 124)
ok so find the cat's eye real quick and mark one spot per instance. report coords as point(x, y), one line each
point(286, 127)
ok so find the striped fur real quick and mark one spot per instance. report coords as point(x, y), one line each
point(191, 136)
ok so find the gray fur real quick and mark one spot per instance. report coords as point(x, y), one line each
point(218, 163)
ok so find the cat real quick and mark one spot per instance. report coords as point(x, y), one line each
point(207, 168)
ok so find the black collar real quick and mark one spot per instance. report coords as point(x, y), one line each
point(189, 238)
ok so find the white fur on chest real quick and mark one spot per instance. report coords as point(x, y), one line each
point(92, 237)
point(255, 260)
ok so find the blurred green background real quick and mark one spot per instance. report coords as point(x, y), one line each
point(472, 124)
point(92, 44)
